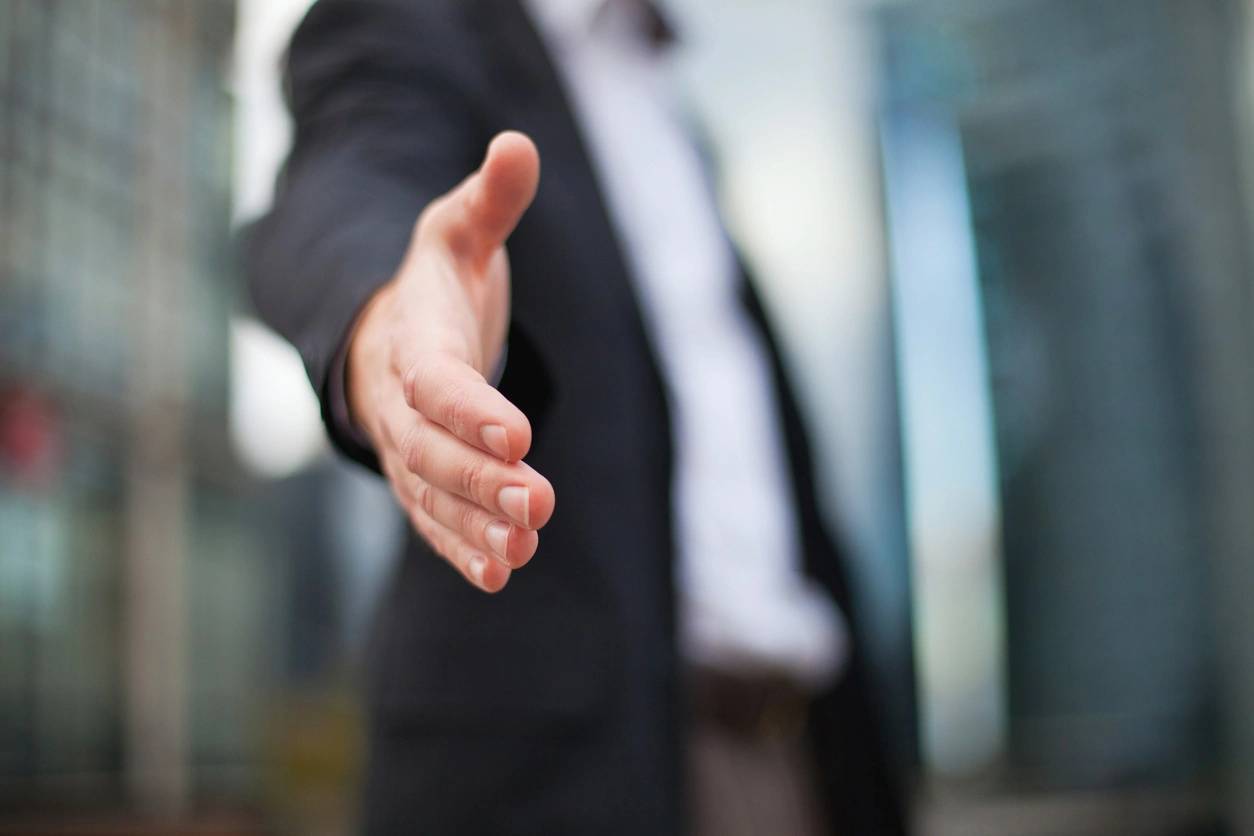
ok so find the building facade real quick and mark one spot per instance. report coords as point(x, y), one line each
point(132, 593)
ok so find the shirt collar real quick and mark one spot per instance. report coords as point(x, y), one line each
point(567, 21)
point(566, 18)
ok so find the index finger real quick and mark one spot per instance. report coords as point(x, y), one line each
point(454, 395)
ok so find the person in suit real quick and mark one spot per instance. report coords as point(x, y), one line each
point(570, 386)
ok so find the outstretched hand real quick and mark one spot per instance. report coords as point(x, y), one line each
point(450, 444)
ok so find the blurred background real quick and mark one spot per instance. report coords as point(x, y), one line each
point(1007, 243)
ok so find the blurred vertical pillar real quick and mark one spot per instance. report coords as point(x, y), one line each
point(1114, 254)
point(113, 312)
point(1225, 82)
point(155, 550)
point(947, 435)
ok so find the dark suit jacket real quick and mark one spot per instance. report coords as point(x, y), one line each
point(554, 707)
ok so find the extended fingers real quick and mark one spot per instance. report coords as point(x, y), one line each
point(451, 393)
point(477, 509)
point(489, 575)
point(513, 490)
point(507, 542)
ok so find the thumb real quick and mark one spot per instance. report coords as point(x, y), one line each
point(483, 211)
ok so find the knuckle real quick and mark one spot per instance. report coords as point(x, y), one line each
point(426, 499)
point(468, 520)
point(411, 380)
point(418, 378)
point(472, 480)
point(413, 449)
point(455, 408)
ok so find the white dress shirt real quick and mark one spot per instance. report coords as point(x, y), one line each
point(744, 602)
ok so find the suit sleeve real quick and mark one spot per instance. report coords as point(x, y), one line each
point(384, 121)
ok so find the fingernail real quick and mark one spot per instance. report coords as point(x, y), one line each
point(496, 440)
point(515, 501)
point(497, 535)
point(475, 567)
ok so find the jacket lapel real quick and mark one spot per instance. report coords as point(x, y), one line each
point(532, 98)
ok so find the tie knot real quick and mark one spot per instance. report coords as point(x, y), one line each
point(657, 25)
point(653, 22)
